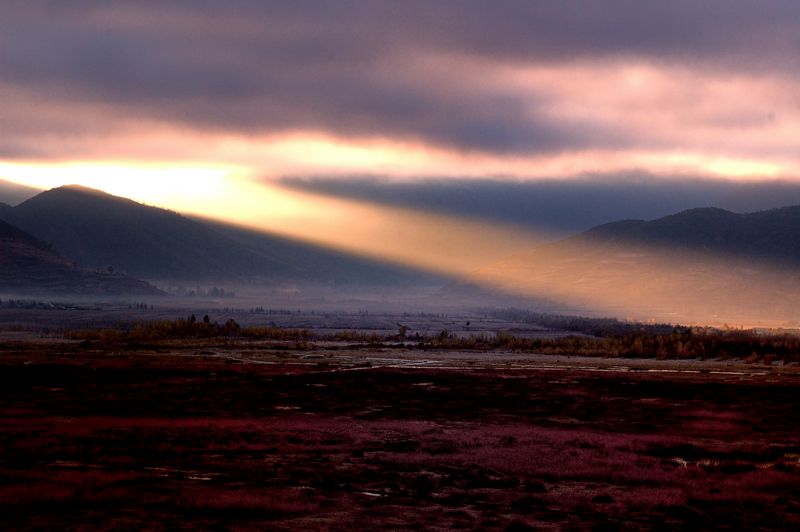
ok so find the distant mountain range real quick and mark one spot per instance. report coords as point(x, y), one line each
point(771, 236)
point(560, 207)
point(29, 266)
point(702, 263)
point(98, 230)
point(697, 263)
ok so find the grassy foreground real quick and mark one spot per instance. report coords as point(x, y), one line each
point(269, 437)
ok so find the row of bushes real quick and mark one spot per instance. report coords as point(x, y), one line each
point(680, 343)
point(148, 331)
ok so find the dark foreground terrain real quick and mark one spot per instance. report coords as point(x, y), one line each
point(251, 438)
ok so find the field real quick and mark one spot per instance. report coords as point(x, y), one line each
point(256, 436)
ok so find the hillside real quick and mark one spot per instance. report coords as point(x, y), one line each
point(697, 265)
point(559, 207)
point(28, 266)
point(771, 236)
point(14, 194)
point(313, 263)
point(98, 230)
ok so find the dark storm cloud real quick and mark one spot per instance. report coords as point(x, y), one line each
point(362, 69)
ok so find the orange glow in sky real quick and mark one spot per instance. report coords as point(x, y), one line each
point(205, 110)
point(439, 243)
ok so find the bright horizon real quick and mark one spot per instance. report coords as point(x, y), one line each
point(264, 91)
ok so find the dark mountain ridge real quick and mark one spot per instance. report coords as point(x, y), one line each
point(98, 230)
point(703, 265)
point(10, 233)
point(561, 207)
point(29, 266)
point(770, 236)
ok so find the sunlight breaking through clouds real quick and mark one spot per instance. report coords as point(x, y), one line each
point(445, 244)
point(167, 185)
point(391, 101)
point(644, 281)
point(205, 110)
point(439, 243)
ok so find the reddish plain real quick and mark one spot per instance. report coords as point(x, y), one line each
point(100, 440)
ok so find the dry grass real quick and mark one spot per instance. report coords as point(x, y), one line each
point(172, 441)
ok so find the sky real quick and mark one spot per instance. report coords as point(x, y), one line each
point(210, 106)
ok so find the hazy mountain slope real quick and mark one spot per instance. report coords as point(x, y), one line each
point(28, 266)
point(562, 207)
point(13, 194)
point(772, 236)
point(698, 265)
point(316, 263)
point(99, 230)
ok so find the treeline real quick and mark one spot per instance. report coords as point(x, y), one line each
point(678, 343)
point(151, 331)
point(41, 305)
point(593, 326)
point(214, 291)
point(194, 328)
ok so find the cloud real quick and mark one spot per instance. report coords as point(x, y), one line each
point(512, 78)
point(559, 207)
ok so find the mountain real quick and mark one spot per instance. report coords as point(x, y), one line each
point(771, 236)
point(13, 194)
point(99, 230)
point(559, 207)
point(29, 266)
point(313, 263)
point(700, 265)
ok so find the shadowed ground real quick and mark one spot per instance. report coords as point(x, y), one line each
point(307, 440)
